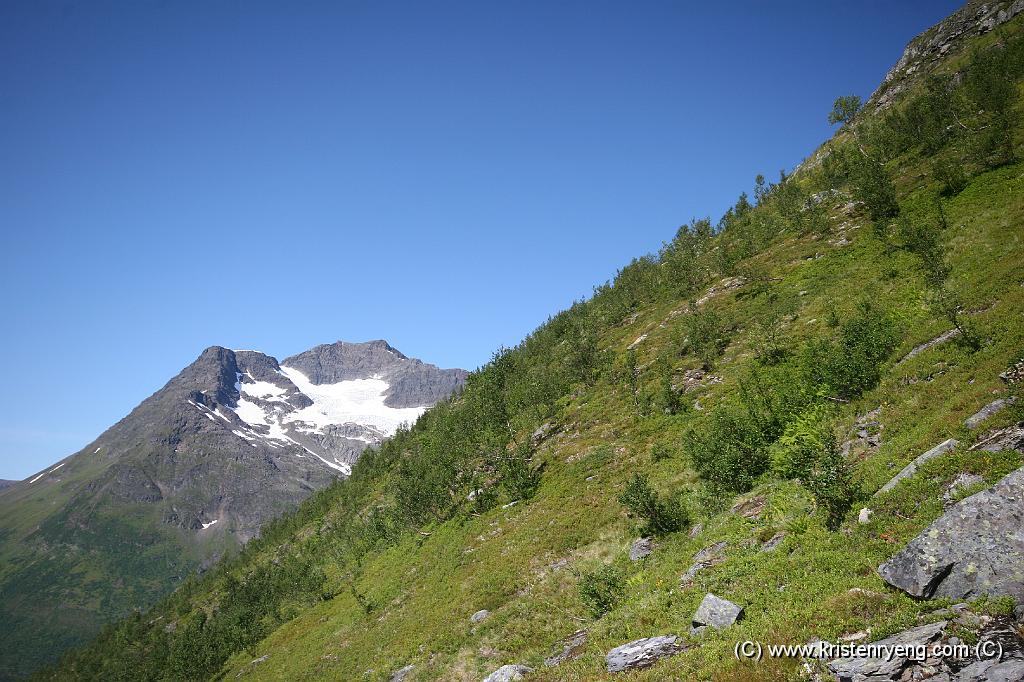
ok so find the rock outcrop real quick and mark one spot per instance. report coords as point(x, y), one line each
point(909, 470)
point(975, 548)
point(642, 653)
point(975, 420)
point(640, 549)
point(941, 41)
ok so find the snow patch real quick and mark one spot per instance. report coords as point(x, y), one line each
point(207, 525)
point(360, 401)
point(263, 390)
point(47, 472)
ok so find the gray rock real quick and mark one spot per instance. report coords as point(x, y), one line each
point(962, 481)
point(864, 517)
point(774, 542)
point(687, 578)
point(909, 470)
point(975, 548)
point(1014, 374)
point(992, 670)
point(571, 648)
point(479, 615)
point(870, 669)
point(508, 673)
point(400, 674)
point(696, 530)
point(975, 420)
point(712, 553)
point(717, 612)
point(642, 653)
point(941, 338)
point(542, 432)
point(411, 382)
point(640, 549)
point(1010, 438)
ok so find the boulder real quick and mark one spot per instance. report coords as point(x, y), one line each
point(891, 667)
point(508, 673)
point(640, 549)
point(864, 517)
point(751, 508)
point(717, 612)
point(975, 548)
point(909, 470)
point(975, 420)
point(642, 653)
point(479, 615)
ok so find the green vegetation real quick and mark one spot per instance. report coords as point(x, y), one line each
point(660, 517)
point(731, 363)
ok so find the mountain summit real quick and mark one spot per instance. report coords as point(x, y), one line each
point(231, 442)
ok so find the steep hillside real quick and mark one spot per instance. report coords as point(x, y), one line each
point(233, 441)
point(733, 416)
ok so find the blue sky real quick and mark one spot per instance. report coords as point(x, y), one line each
point(444, 175)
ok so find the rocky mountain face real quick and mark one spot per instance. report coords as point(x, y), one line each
point(941, 41)
point(194, 471)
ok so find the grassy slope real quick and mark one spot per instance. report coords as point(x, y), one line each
point(522, 562)
point(39, 556)
point(503, 560)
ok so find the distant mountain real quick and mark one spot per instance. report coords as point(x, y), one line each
point(194, 471)
point(6, 484)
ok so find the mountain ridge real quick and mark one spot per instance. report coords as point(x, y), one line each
point(227, 444)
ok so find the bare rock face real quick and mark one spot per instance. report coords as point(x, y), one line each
point(642, 653)
point(975, 548)
point(940, 41)
point(975, 420)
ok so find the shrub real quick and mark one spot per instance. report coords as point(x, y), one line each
point(660, 516)
point(796, 452)
point(851, 364)
point(728, 449)
point(833, 485)
point(660, 451)
point(519, 479)
point(601, 590)
point(706, 334)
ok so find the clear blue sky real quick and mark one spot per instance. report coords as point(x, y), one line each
point(175, 175)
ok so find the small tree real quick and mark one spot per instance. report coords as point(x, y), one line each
point(660, 517)
point(519, 479)
point(844, 109)
point(833, 485)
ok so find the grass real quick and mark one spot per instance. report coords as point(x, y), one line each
point(522, 562)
